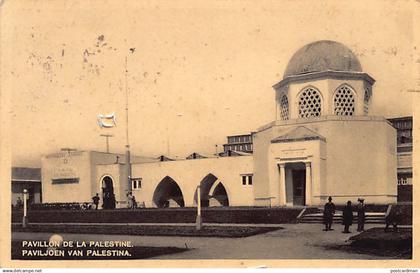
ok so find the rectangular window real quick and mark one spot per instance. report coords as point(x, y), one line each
point(136, 183)
point(246, 179)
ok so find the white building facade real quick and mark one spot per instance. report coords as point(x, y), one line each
point(322, 143)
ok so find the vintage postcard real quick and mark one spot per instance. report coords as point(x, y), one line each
point(208, 133)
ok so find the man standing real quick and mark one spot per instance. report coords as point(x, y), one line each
point(96, 201)
point(130, 200)
point(19, 203)
point(347, 217)
point(133, 202)
point(360, 215)
point(329, 210)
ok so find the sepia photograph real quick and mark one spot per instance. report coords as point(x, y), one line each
point(231, 131)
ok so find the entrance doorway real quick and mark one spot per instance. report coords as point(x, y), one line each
point(295, 183)
point(299, 177)
point(108, 195)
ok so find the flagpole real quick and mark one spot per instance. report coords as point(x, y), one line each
point(126, 103)
point(127, 153)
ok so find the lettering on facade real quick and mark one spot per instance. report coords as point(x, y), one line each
point(300, 153)
point(404, 181)
point(64, 172)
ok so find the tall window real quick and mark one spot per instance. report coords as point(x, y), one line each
point(344, 101)
point(366, 102)
point(284, 108)
point(309, 103)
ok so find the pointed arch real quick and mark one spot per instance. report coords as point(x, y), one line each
point(344, 100)
point(210, 185)
point(205, 185)
point(168, 194)
point(309, 102)
point(219, 196)
point(284, 107)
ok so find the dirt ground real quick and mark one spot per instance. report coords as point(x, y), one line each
point(294, 241)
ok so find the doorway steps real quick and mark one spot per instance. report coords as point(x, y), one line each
point(317, 218)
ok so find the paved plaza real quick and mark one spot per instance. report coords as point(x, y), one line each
point(294, 241)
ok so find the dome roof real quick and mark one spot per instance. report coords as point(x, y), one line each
point(321, 56)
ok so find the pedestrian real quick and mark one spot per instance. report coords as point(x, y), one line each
point(19, 203)
point(95, 200)
point(133, 202)
point(394, 217)
point(130, 200)
point(329, 210)
point(361, 215)
point(347, 217)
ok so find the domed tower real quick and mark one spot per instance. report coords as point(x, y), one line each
point(323, 142)
point(323, 78)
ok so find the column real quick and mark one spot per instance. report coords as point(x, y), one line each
point(308, 186)
point(282, 187)
point(198, 222)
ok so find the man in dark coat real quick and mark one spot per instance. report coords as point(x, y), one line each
point(95, 200)
point(329, 210)
point(394, 218)
point(133, 202)
point(361, 215)
point(347, 217)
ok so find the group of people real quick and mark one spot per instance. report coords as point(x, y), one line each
point(132, 203)
point(329, 211)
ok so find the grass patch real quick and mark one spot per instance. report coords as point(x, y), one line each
point(152, 230)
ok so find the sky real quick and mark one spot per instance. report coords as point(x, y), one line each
point(200, 71)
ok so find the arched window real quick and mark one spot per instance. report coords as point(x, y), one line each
point(284, 108)
point(366, 100)
point(344, 101)
point(309, 103)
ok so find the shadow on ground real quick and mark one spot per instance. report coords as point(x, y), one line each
point(376, 241)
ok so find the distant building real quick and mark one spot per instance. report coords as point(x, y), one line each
point(404, 126)
point(241, 143)
point(29, 179)
point(76, 176)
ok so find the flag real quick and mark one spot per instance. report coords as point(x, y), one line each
point(107, 121)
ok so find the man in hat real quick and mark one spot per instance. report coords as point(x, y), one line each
point(361, 215)
point(347, 217)
point(329, 210)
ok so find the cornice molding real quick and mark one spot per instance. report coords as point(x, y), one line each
point(328, 74)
